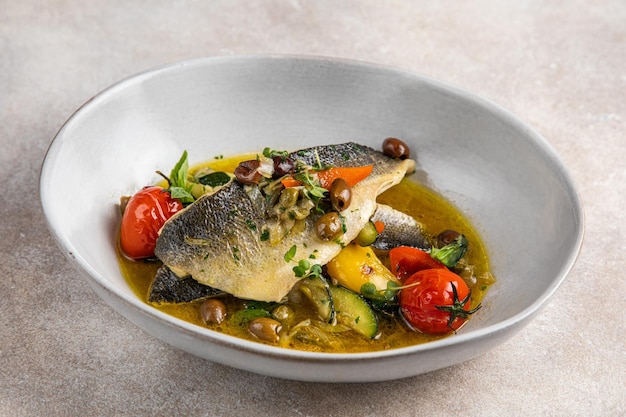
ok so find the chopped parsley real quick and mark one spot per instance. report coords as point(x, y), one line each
point(251, 225)
point(340, 243)
point(290, 253)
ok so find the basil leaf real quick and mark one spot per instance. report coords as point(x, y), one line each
point(183, 195)
point(178, 176)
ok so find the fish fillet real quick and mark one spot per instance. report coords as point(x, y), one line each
point(400, 230)
point(217, 239)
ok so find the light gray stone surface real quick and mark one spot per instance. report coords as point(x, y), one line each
point(558, 65)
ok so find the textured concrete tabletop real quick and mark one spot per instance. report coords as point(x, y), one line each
point(558, 65)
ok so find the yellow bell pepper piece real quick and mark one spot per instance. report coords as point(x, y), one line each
point(356, 265)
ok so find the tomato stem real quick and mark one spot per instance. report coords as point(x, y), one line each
point(457, 309)
point(165, 177)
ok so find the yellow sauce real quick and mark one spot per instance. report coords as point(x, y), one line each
point(428, 207)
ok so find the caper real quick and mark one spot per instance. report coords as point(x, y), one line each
point(446, 237)
point(265, 328)
point(247, 172)
point(302, 209)
point(340, 194)
point(283, 165)
point(289, 197)
point(213, 311)
point(328, 226)
point(284, 314)
point(395, 148)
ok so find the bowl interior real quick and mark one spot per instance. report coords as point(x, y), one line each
point(499, 172)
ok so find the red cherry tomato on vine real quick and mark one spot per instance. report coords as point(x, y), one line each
point(145, 214)
point(437, 303)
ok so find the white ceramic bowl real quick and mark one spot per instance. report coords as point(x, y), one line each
point(496, 169)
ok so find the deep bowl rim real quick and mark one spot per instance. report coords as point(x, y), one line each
point(95, 278)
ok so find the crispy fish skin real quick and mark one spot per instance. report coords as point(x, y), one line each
point(217, 239)
point(400, 230)
point(167, 287)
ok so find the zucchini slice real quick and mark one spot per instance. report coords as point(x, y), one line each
point(338, 304)
point(353, 311)
point(318, 292)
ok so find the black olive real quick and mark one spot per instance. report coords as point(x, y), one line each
point(395, 148)
point(247, 172)
point(328, 226)
point(340, 194)
point(265, 329)
point(283, 165)
point(446, 237)
point(213, 311)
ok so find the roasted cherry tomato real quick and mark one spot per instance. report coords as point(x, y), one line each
point(145, 214)
point(436, 302)
point(405, 261)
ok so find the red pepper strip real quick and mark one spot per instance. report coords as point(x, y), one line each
point(405, 261)
point(352, 175)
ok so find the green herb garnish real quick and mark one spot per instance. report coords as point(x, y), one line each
point(450, 254)
point(270, 153)
point(179, 187)
point(214, 179)
point(304, 269)
point(289, 255)
point(251, 225)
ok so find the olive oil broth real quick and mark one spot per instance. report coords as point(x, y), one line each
point(426, 206)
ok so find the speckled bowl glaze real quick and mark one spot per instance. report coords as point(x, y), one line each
point(501, 173)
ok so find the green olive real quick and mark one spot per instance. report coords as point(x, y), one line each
point(395, 148)
point(213, 311)
point(340, 194)
point(265, 329)
point(329, 226)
